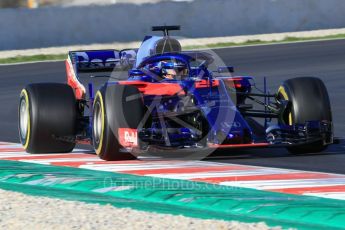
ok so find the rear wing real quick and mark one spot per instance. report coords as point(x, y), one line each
point(102, 60)
point(96, 60)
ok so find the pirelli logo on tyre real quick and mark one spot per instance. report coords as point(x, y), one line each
point(128, 138)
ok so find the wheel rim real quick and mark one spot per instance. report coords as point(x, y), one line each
point(283, 94)
point(97, 123)
point(24, 119)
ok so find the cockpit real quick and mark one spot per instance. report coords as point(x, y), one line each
point(167, 69)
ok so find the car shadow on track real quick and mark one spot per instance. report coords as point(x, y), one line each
point(338, 148)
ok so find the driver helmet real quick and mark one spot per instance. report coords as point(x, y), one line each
point(171, 70)
point(169, 73)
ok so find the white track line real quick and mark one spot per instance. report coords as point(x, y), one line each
point(282, 184)
point(232, 173)
point(330, 195)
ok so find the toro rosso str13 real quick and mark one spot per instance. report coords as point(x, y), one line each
point(169, 100)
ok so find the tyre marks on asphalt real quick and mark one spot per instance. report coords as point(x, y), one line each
point(298, 182)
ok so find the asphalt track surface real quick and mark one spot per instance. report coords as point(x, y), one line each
point(323, 59)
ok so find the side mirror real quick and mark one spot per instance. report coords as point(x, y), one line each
point(226, 69)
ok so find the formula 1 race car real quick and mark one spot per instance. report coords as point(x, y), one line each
point(169, 100)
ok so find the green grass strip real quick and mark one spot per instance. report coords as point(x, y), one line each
point(177, 197)
point(259, 42)
point(34, 58)
point(57, 57)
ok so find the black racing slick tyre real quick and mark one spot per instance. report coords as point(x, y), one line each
point(309, 102)
point(47, 118)
point(117, 111)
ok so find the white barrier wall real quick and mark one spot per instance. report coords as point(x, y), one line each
point(44, 27)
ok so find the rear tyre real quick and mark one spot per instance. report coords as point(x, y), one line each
point(47, 118)
point(115, 107)
point(310, 102)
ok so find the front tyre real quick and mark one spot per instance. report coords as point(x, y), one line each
point(310, 102)
point(117, 109)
